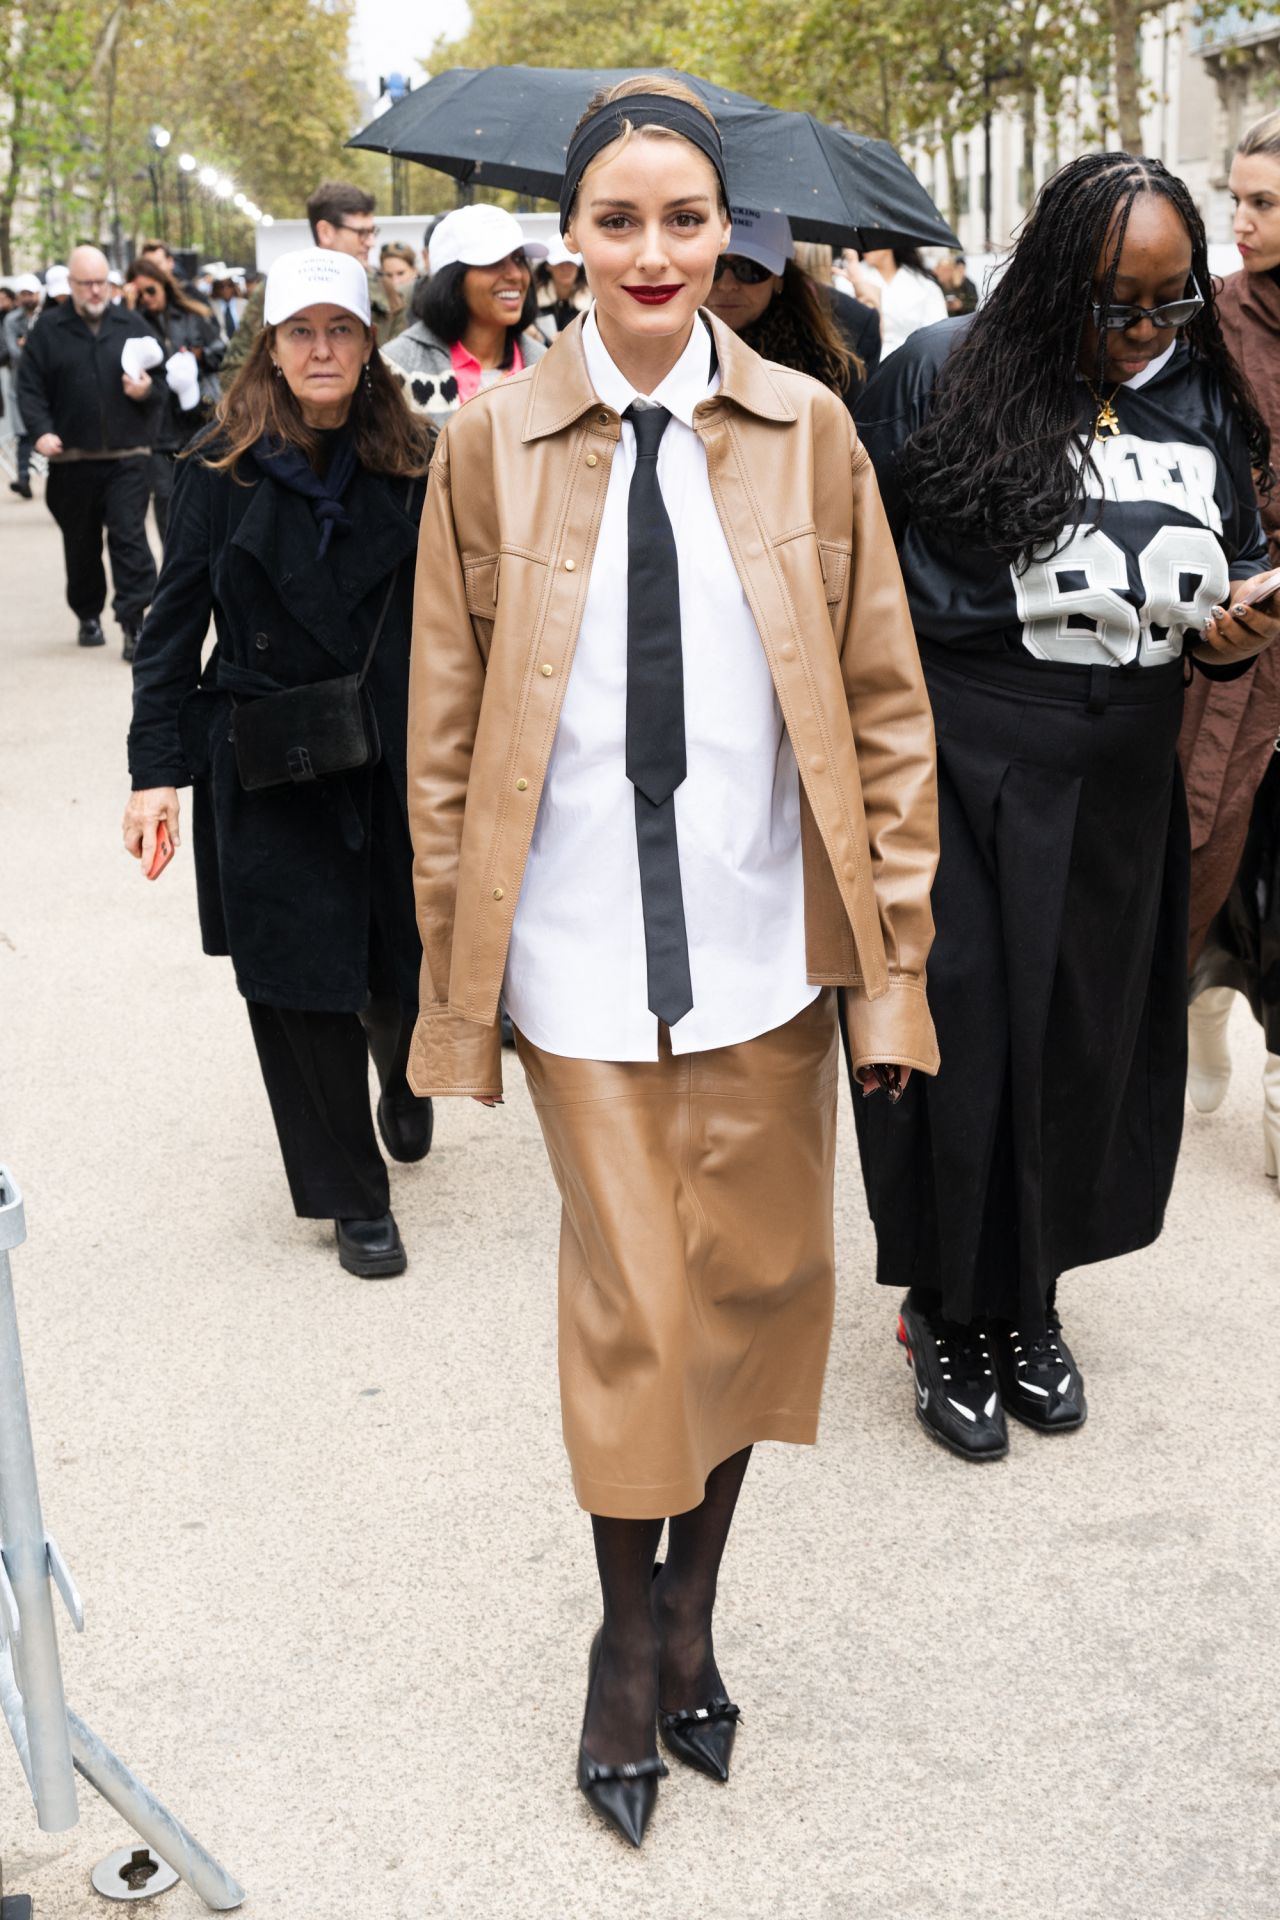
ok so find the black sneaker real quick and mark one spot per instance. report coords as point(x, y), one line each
point(1041, 1383)
point(957, 1393)
point(129, 645)
point(91, 634)
point(22, 488)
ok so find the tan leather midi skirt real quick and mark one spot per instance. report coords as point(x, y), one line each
point(697, 1258)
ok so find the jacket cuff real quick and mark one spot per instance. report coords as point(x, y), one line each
point(143, 779)
point(896, 1028)
point(452, 1055)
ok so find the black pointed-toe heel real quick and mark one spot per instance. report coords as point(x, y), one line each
point(625, 1795)
point(702, 1736)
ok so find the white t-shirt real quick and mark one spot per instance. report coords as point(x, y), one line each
point(908, 302)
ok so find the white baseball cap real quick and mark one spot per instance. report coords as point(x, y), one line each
point(315, 277)
point(762, 237)
point(558, 254)
point(27, 283)
point(57, 281)
point(480, 236)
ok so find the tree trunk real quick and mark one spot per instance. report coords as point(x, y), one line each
point(1028, 182)
point(13, 179)
point(953, 179)
point(1125, 17)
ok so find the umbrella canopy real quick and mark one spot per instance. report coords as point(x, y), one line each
point(510, 127)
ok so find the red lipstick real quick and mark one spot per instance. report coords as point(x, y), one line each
point(653, 296)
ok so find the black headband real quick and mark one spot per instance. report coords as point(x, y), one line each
point(642, 110)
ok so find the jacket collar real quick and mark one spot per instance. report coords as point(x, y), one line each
point(560, 389)
point(1260, 297)
point(66, 316)
point(279, 530)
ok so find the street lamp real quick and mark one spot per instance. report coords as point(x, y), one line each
point(396, 86)
point(158, 140)
point(186, 167)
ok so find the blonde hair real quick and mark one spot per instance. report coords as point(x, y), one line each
point(650, 83)
point(815, 260)
point(1262, 137)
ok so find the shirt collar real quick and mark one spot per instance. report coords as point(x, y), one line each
point(1152, 368)
point(689, 381)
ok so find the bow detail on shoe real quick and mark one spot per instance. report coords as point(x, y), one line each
point(594, 1775)
point(715, 1711)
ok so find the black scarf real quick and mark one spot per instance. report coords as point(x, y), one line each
point(289, 467)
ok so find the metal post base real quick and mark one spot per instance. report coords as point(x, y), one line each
point(50, 1740)
point(132, 1873)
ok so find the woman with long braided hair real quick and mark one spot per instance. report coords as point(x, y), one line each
point(1068, 475)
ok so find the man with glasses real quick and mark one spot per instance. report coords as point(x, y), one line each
point(93, 421)
point(342, 221)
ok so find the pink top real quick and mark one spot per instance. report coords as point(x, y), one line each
point(471, 376)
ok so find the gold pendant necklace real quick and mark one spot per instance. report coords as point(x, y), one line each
point(1108, 420)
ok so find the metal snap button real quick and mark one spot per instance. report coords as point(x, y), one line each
point(522, 786)
point(603, 418)
point(497, 893)
point(261, 642)
point(570, 566)
point(547, 670)
point(592, 461)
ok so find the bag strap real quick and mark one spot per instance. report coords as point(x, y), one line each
point(386, 604)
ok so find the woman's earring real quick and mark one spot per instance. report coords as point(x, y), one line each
point(276, 365)
point(368, 380)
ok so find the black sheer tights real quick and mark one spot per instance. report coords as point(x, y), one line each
point(657, 1642)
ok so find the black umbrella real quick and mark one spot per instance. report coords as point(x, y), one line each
point(510, 127)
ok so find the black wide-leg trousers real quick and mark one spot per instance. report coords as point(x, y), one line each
point(86, 498)
point(315, 1067)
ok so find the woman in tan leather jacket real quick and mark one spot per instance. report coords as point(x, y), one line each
point(671, 782)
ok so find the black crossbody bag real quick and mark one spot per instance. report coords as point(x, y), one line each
point(307, 733)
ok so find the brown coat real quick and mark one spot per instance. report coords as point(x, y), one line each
point(1229, 727)
point(515, 501)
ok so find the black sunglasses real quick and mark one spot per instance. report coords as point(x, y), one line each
point(748, 273)
point(1174, 313)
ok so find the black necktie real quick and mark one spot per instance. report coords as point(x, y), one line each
point(655, 719)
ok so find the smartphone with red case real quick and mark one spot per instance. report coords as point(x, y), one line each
point(163, 853)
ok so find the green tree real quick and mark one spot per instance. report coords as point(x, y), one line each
point(50, 60)
point(562, 33)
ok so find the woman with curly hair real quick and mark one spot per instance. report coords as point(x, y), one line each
point(1068, 473)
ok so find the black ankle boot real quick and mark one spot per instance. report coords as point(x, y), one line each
point(406, 1125)
point(625, 1795)
point(371, 1249)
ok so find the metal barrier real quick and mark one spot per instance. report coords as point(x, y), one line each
point(54, 1744)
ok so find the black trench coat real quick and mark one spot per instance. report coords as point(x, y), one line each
point(289, 879)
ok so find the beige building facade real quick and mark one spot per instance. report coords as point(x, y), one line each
point(1203, 87)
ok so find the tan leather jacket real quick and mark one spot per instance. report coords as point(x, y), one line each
point(508, 535)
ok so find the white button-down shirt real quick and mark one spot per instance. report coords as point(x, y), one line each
point(576, 981)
